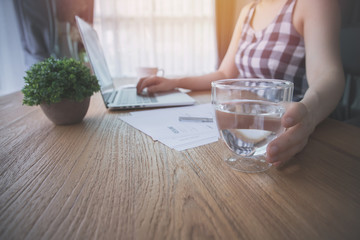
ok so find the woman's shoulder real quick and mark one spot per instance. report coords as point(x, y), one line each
point(319, 6)
point(244, 11)
point(311, 11)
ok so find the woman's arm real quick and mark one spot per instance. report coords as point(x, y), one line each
point(227, 67)
point(323, 62)
point(226, 70)
point(321, 27)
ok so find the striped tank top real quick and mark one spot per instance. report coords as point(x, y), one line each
point(276, 52)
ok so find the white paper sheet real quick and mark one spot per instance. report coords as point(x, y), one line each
point(163, 125)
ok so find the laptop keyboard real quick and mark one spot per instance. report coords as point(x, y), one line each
point(129, 96)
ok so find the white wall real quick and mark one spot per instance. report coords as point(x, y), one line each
point(12, 66)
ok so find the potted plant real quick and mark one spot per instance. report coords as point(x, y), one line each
point(62, 88)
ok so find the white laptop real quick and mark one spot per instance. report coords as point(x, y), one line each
point(124, 97)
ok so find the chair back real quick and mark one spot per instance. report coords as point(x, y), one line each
point(348, 109)
point(350, 49)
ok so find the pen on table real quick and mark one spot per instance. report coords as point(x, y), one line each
point(195, 119)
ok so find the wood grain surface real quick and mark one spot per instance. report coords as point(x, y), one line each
point(103, 179)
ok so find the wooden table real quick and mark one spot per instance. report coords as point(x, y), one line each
point(103, 179)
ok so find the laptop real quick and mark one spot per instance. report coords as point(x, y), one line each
point(124, 97)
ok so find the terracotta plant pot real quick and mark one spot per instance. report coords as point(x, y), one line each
point(66, 112)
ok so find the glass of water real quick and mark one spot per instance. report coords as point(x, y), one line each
point(248, 115)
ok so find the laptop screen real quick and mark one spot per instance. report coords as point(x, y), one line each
point(95, 53)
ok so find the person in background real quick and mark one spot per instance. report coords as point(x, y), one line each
point(36, 21)
point(47, 27)
point(281, 39)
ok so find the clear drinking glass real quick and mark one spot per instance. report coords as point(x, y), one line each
point(248, 115)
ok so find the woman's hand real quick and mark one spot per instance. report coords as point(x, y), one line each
point(156, 84)
point(299, 126)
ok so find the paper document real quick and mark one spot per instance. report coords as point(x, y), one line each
point(164, 125)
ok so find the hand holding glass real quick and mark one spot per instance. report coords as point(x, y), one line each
point(248, 115)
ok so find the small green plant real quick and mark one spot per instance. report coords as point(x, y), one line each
point(53, 79)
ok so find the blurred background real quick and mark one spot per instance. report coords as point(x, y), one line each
point(184, 37)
